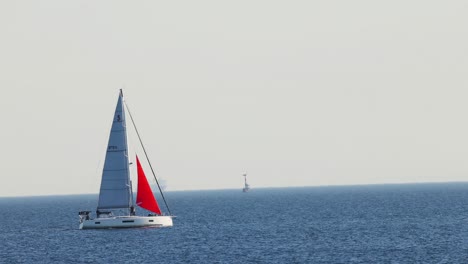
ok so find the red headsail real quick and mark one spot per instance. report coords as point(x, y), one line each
point(145, 197)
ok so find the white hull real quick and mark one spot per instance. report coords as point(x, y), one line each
point(127, 222)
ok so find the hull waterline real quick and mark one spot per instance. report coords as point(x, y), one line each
point(127, 222)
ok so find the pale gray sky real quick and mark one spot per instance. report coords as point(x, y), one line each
point(296, 93)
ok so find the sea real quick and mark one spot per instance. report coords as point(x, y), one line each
point(401, 223)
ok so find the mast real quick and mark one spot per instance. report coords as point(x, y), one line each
point(147, 158)
point(131, 202)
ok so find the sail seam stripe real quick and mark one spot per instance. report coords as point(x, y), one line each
point(117, 179)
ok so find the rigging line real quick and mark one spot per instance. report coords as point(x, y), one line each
point(144, 150)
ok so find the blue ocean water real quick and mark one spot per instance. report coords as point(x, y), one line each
point(412, 223)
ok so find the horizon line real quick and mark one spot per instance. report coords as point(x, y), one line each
point(260, 187)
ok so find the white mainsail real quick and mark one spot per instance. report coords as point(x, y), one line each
point(115, 189)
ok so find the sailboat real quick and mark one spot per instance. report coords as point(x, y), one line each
point(116, 207)
point(246, 185)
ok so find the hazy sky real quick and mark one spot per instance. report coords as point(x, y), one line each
point(296, 93)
